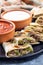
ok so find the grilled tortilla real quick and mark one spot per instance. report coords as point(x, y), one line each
point(14, 50)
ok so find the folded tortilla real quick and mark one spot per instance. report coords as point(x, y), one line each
point(14, 50)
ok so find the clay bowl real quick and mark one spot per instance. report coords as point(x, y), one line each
point(7, 29)
point(19, 22)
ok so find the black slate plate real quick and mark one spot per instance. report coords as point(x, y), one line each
point(37, 50)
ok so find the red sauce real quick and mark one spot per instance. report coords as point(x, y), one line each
point(5, 27)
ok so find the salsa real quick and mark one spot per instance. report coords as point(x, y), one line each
point(5, 27)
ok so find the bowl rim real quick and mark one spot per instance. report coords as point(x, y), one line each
point(13, 28)
point(17, 9)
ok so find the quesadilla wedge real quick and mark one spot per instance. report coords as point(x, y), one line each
point(14, 50)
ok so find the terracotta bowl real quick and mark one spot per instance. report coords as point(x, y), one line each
point(7, 29)
point(19, 23)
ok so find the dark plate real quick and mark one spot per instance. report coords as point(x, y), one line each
point(37, 50)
